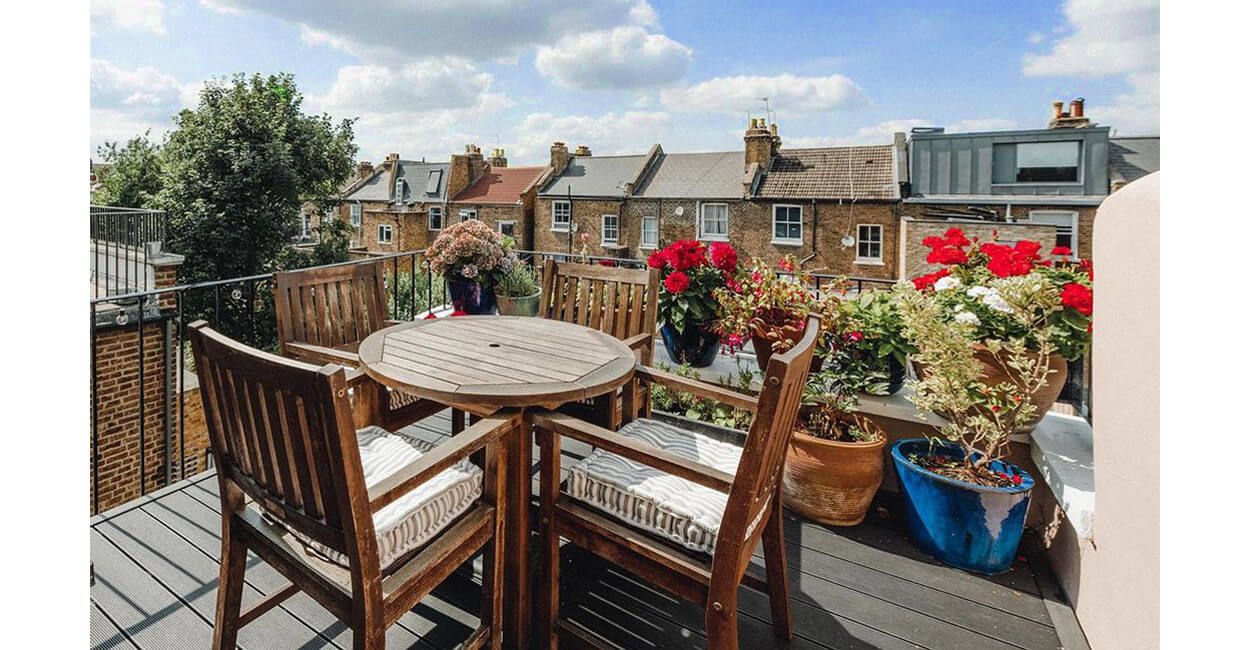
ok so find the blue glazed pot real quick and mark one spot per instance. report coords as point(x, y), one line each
point(967, 526)
point(696, 346)
point(470, 297)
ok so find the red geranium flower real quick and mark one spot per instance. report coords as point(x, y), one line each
point(1078, 297)
point(724, 257)
point(686, 254)
point(947, 255)
point(1061, 251)
point(926, 281)
point(676, 282)
point(657, 260)
point(1088, 267)
point(956, 237)
point(855, 337)
point(786, 264)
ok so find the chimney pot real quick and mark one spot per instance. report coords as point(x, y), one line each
point(1057, 106)
point(582, 150)
point(1078, 107)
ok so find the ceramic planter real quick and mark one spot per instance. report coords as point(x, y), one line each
point(970, 527)
point(470, 297)
point(832, 482)
point(518, 305)
point(697, 346)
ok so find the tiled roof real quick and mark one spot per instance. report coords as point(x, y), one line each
point(861, 172)
point(716, 175)
point(500, 185)
point(416, 177)
point(1128, 159)
point(598, 176)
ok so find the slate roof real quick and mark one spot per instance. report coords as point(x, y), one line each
point(715, 175)
point(416, 174)
point(1128, 159)
point(859, 172)
point(594, 176)
point(501, 186)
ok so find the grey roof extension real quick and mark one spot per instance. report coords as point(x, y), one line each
point(416, 176)
point(715, 175)
point(595, 176)
point(1128, 159)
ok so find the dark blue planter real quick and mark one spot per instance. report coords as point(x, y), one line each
point(696, 346)
point(967, 526)
point(470, 297)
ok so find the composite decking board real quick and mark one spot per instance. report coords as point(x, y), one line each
point(104, 632)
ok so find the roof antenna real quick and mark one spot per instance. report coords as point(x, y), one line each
point(767, 111)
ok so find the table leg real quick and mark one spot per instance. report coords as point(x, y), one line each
point(517, 601)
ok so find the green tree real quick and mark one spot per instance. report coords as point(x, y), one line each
point(237, 169)
point(135, 178)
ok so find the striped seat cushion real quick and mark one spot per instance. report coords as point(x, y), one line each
point(650, 499)
point(419, 515)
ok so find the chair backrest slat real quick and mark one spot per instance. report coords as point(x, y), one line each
point(330, 307)
point(617, 301)
point(282, 431)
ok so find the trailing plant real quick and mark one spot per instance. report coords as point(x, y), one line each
point(771, 303)
point(699, 408)
point(692, 275)
point(472, 250)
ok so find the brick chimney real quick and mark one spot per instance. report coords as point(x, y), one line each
point(761, 143)
point(582, 150)
point(497, 159)
point(1073, 118)
point(364, 169)
point(559, 157)
point(458, 174)
point(477, 164)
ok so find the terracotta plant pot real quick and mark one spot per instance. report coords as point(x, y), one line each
point(995, 372)
point(832, 482)
point(764, 349)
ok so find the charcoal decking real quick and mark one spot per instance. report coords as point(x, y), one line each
point(155, 565)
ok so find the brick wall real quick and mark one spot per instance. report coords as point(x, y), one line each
point(492, 214)
point(1085, 218)
point(916, 230)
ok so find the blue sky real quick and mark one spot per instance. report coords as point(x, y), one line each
point(426, 77)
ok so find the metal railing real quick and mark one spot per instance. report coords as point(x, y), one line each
point(121, 239)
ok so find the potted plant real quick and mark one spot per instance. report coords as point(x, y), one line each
point(965, 504)
point(770, 307)
point(964, 287)
point(472, 257)
point(836, 458)
point(517, 293)
point(873, 320)
point(691, 274)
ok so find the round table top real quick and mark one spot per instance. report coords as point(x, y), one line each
point(497, 361)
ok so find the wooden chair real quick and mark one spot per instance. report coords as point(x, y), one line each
point(591, 510)
point(324, 313)
point(282, 437)
point(617, 301)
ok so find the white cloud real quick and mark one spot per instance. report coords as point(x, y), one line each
point(426, 84)
point(631, 132)
point(787, 93)
point(624, 57)
point(883, 132)
point(480, 30)
point(137, 15)
point(143, 91)
point(1133, 113)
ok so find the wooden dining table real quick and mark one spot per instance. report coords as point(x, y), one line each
point(483, 363)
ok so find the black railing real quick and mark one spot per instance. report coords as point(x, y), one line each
point(121, 240)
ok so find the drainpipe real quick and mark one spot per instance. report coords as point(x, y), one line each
point(569, 192)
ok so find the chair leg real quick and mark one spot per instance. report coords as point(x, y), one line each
point(722, 621)
point(229, 590)
point(457, 421)
point(549, 540)
point(775, 566)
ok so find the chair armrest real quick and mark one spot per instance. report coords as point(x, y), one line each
point(639, 341)
point(679, 466)
point(321, 354)
point(701, 388)
point(454, 450)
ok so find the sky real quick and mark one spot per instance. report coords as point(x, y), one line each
point(422, 78)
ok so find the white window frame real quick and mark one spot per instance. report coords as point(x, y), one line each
point(642, 233)
point(307, 225)
point(1073, 215)
point(880, 242)
point(510, 222)
point(354, 213)
point(704, 236)
point(555, 226)
point(603, 230)
point(434, 209)
point(787, 241)
point(468, 213)
point(390, 233)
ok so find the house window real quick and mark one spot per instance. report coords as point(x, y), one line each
point(384, 233)
point(561, 215)
point(436, 218)
point(355, 215)
point(611, 229)
point(507, 228)
point(650, 233)
point(1065, 223)
point(1037, 162)
point(714, 221)
point(787, 224)
point(868, 244)
point(307, 226)
point(399, 190)
point(465, 215)
point(432, 182)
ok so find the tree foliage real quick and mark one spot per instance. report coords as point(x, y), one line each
point(237, 169)
point(135, 178)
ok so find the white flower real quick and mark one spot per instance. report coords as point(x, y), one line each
point(469, 271)
point(996, 302)
point(967, 317)
point(979, 290)
point(945, 283)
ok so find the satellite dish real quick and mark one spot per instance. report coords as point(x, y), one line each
point(847, 241)
point(679, 211)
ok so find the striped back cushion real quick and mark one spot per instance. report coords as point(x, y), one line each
point(654, 501)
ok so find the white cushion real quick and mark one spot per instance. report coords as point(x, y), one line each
point(419, 515)
point(650, 499)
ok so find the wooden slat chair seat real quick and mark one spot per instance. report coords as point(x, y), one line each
point(617, 301)
point(323, 314)
point(701, 508)
point(318, 500)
